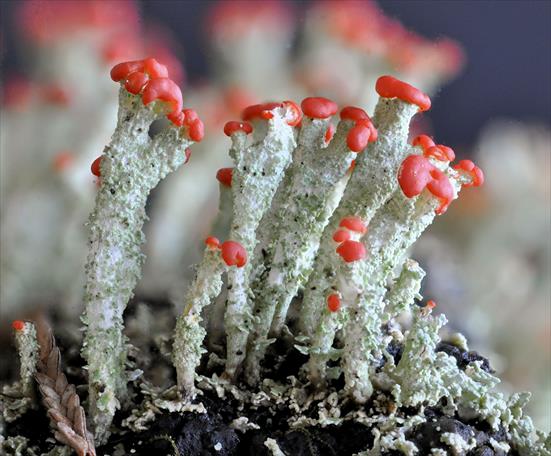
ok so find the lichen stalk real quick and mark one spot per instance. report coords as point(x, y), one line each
point(258, 171)
point(131, 166)
point(371, 184)
point(190, 333)
point(394, 228)
point(321, 348)
point(27, 349)
point(315, 178)
point(284, 263)
point(404, 290)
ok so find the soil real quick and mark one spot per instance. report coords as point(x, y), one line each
point(195, 434)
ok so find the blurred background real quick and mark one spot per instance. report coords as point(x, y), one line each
point(486, 64)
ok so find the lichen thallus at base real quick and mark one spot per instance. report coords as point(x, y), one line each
point(331, 212)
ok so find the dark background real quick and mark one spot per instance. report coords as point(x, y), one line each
point(507, 43)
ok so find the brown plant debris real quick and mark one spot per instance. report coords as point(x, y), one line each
point(66, 415)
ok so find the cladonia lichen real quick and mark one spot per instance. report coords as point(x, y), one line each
point(18, 397)
point(131, 166)
point(315, 254)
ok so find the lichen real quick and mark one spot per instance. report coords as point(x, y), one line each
point(18, 397)
point(304, 226)
point(130, 167)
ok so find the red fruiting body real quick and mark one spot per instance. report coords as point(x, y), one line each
point(354, 224)
point(122, 70)
point(196, 130)
point(390, 87)
point(212, 242)
point(233, 126)
point(372, 130)
point(224, 176)
point(414, 175)
point(476, 173)
point(163, 89)
point(417, 173)
point(234, 254)
point(294, 112)
point(18, 325)
point(423, 141)
point(231, 20)
point(177, 118)
point(329, 132)
point(63, 160)
point(149, 66)
point(189, 116)
point(136, 82)
point(261, 111)
point(150, 78)
point(318, 107)
point(56, 95)
point(438, 152)
point(441, 187)
point(353, 113)
point(52, 21)
point(351, 251)
point(333, 302)
point(357, 138)
point(363, 130)
point(341, 236)
point(95, 168)
point(188, 154)
point(154, 69)
point(190, 119)
point(431, 304)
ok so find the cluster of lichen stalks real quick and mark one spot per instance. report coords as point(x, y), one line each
point(292, 187)
point(329, 211)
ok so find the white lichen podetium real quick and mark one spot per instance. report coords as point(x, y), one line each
point(301, 209)
point(17, 397)
point(404, 290)
point(27, 348)
point(259, 169)
point(371, 183)
point(130, 167)
point(342, 296)
point(190, 333)
point(424, 191)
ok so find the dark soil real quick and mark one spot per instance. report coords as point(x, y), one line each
point(193, 434)
point(464, 357)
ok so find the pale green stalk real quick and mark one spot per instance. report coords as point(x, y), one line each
point(371, 184)
point(27, 348)
point(190, 333)
point(258, 172)
point(394, 229)
point(284, 264)
point(132, 165)
point(404, 290)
